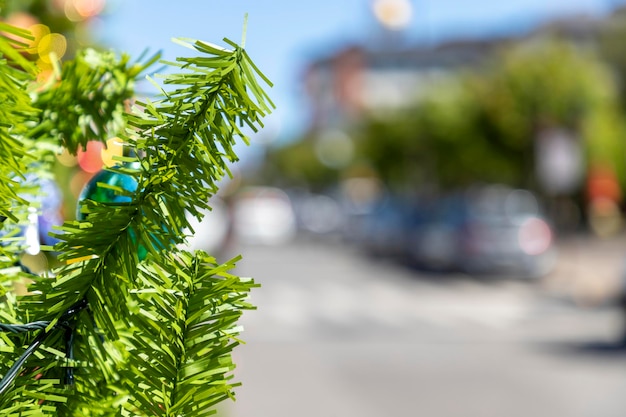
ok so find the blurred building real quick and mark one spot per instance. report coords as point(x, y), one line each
point(358, 80)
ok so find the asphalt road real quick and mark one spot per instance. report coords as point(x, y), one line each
point(338, 334)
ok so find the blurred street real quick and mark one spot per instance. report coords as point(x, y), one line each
point(337, 334)
point(434, 204)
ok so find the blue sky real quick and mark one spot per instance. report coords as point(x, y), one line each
point(284, 34)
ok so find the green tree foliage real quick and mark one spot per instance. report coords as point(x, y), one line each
point(89, 103)
point(481, 124)
point(437, 141)
point(609, 39)
point(15, 110)
point(113, 333)
point(71, 19)
point(297, 164)
point(548, 83)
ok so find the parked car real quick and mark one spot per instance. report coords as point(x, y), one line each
point(505, 232)
point(384, 228)
point(481, 230)
point(316, 214)
point(263, 215)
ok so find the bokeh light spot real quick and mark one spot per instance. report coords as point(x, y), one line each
point(114, 148)
point(79, 10)
point(23, 21)
point(67, 159)
point(52, 43)
point(38, 31)
point(393, 14)
point(43, 76)
point(89, 8)
point(334, 149)
point(90, 159)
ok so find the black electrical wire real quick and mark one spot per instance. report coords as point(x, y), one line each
point(23, 328)
point(62, 324)
point(69, 356)
point(15, 369)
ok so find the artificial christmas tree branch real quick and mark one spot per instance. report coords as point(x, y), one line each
point(15, 111)
point(160, 323)
point(62, 324)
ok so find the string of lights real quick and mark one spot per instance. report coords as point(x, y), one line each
point(63, 324)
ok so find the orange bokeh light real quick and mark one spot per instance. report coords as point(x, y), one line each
point(90, 159)
point(77, 10)
point(89, 8)
point(22, 20)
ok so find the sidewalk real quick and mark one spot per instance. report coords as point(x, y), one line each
point(588, 270)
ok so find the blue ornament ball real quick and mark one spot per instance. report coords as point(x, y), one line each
point(93, 191)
